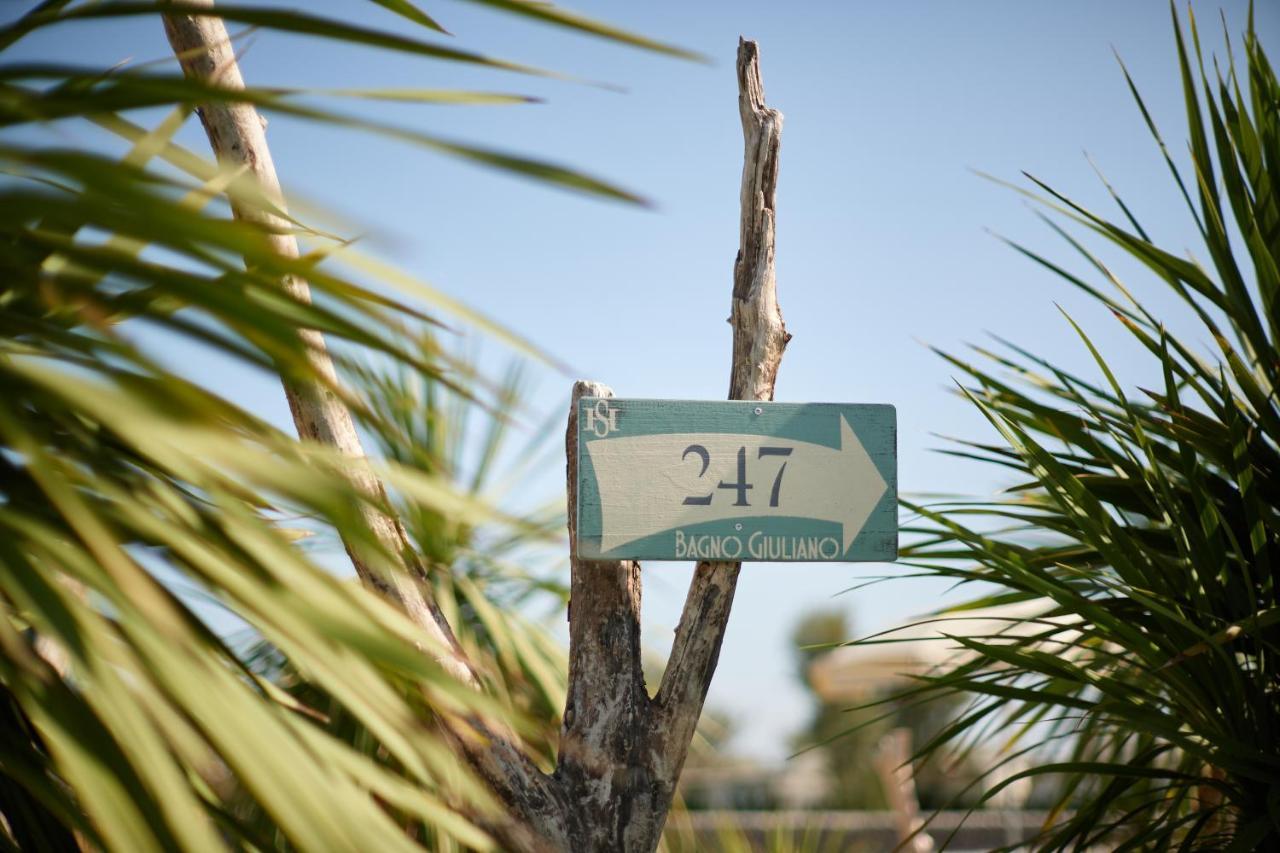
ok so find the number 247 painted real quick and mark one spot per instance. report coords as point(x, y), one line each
point(741, 485)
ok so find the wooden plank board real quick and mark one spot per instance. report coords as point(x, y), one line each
point(732, 480)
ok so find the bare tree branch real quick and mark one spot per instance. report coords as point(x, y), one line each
point(236, 134)
point(621, 752)
point(759, 338)
point(237, 137)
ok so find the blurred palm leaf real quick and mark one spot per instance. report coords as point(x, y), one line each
point(143, 516)
point(1147, 526)
point(484, 573)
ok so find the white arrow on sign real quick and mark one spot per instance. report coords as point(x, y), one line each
point(644, 482)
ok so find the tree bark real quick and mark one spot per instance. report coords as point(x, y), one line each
point(604, 766)
point(237, 136)
point(759, 339)
point(621, 752)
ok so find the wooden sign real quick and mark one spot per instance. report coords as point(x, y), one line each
point(736, 481)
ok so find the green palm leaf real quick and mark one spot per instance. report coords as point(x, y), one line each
point(1147, 524)
point(144, 518)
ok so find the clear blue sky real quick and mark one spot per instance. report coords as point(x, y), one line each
point(881, 222)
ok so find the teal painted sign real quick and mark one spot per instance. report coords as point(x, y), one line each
point(694, 480)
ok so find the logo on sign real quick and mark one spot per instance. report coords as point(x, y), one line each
point(602, 419)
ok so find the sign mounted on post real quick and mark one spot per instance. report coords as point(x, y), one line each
point(733, 480)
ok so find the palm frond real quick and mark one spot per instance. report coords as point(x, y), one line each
point(144, 517)
point(1147, 523)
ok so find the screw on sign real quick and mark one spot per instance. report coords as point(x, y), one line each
point(676, 480)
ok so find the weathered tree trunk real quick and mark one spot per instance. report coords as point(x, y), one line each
point(237, 136)
point(605, 761)
point(621, 752)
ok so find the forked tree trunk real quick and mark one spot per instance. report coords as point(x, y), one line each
point(621, 752)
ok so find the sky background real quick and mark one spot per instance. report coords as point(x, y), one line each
point(885, 239)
